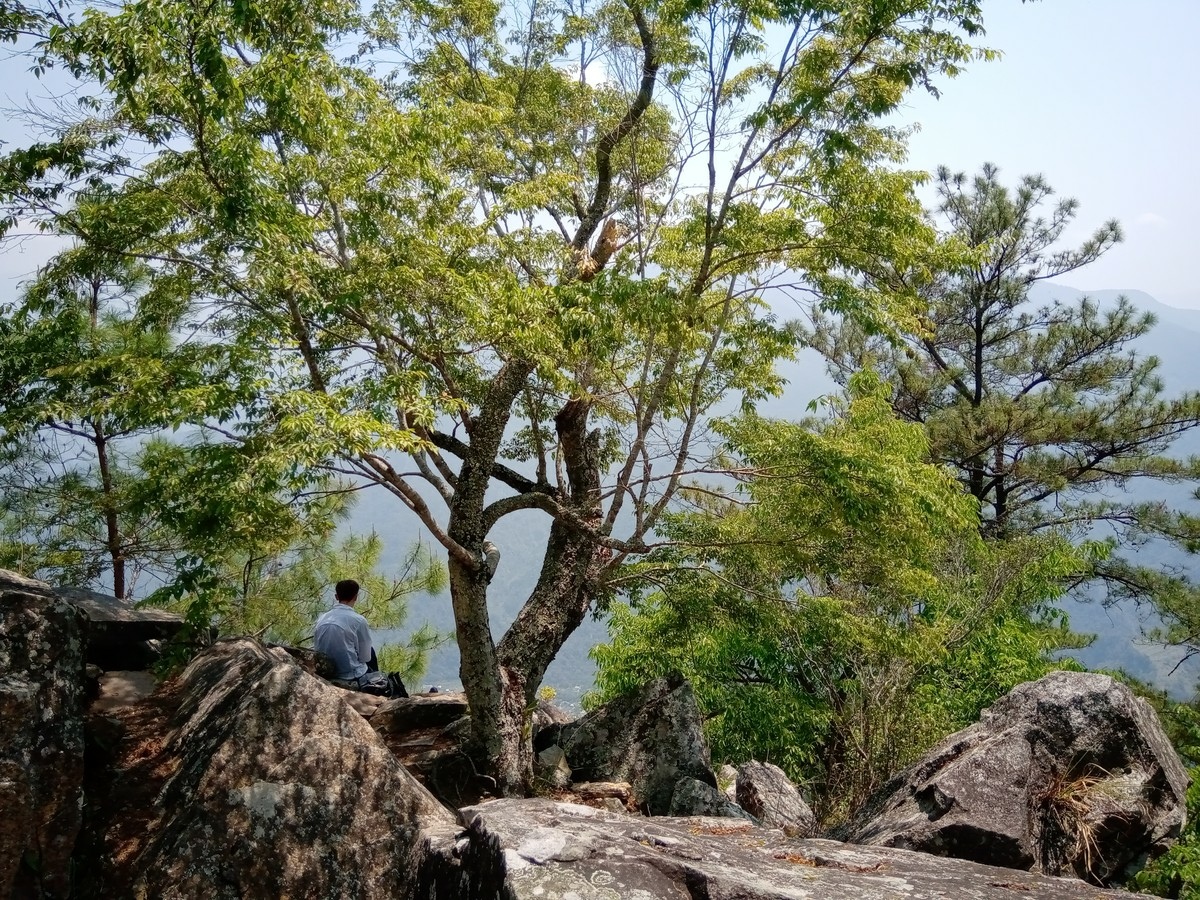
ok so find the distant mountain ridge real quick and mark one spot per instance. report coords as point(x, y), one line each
point(1175, 341)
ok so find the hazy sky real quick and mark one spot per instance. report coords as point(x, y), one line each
point(1103, 99)
point(1099, 96)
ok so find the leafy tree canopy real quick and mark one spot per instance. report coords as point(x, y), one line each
point(500, 257)
point(94, 494)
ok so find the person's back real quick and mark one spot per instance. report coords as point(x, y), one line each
point(342, 635)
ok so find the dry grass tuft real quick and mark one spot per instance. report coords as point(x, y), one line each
point(1069, 804)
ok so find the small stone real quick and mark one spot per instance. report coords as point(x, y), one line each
point(765, 791)
point(552, 768)
point(695, 798)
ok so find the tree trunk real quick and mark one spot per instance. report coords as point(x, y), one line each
point(1001, 506)
point(496, 693)
point(574, 561)
point(113, 543)
point(565, 591)
point(502, 681)
point(975, 483)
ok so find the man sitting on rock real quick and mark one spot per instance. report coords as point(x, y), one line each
point(344, 636)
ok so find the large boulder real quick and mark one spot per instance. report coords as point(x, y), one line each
point(765, 791)
point(42, 748)
point(1071, 774)
point(651, 739)
point(280, 789)
point(526, 849)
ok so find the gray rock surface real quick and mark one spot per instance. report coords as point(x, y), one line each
point(765, 791)
point(1070, 774)
point(695, 798)
point(651, 739)
point(527, 849)
point(41, 737)
point(282, 790)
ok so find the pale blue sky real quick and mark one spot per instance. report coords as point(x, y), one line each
point(1099, 96)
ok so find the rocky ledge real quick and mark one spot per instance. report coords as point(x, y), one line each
point(559, 851)
point(250, 777)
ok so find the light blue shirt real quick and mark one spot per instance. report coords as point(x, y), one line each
point(343, 636)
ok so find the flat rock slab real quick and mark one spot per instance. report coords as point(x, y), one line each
point(123, 688)
point(118, 631)
point(560, 851)
point(419, 711)
point(104, 611)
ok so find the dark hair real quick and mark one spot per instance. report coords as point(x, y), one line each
point(346, 590)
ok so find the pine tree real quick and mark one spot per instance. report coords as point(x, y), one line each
point(1047, 413)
